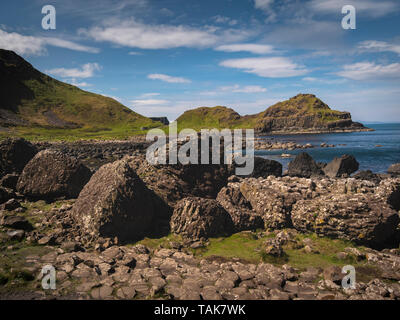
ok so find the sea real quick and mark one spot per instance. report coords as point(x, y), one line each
point(374, 150)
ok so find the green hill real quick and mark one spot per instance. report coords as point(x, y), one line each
point(302, 113)
point(37, 106)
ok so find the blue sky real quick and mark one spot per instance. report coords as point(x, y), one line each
point(163, 57)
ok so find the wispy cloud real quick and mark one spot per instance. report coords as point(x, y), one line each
point(379, 46)
point(167, 78)
point(87, 71)
point(224, 20)
point(148, 102)
point(133, 34)
point(273, 67)
point(370, 8)
point(243, 89)
point(370, 71)
point(31, 45)
point(247, 47)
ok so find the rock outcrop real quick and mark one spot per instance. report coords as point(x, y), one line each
point(345, 165)
point(358, 218)
point(14, 155)
point(200, 218)
point(239, 208)
point(358, 210)
point(303, 166)
point(116, 203)
point(265, 167)
point(52, 174)
point(394, 169)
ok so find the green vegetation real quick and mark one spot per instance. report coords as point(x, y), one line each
point(302, 105)
point(39, 107)
point(249, 247)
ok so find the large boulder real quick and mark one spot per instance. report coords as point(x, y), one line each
point(239, 208)
point(9, 181)
point(303, 166)
point(197, 218)
point(360, 218)
point(394, 169)
point(345, 165)
point(6, 194)
point(265, 167)
point(116, 203)
point(367, 175)
point(273, 198)
point(15, 153)
point(52, 174)
point(175, 182)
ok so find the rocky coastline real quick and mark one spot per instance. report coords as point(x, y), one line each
point(116, 227)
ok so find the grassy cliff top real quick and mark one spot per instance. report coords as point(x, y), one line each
point(35, 104)
point(223, 117)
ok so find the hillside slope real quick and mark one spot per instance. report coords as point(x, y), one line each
point(32, 100)
point(302, 113)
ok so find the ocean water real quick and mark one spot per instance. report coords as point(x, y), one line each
point(362, 145)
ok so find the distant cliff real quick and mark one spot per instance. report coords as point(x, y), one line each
point(302, 113)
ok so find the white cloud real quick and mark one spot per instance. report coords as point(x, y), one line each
point(151, 94)
point(246, 47)
point(224, 20)
point(379, 46)
point(324, 81)
point(274, 67)
point(167, 78)
point(138, 35)
point(148, 102)
point(31, 45)
point(244, 89)
point(263, 4)
point(135, 53)
point(370, 71)
point(76, 83)
point(371, 8)
point(87, 71)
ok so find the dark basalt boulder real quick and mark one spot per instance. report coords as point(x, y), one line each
point(15, 153)
point(394, 169)
point(367, 175)
point(304, 166)
point(6, 194)
point(116, 203)
point(265, 167)
point(52, 174)
point(197, 218)
point(345, 165)
point(9, 181)
point(239, 208)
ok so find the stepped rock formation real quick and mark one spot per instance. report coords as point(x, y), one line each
point(302, 113)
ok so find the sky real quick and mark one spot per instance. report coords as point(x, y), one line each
point(163, 57)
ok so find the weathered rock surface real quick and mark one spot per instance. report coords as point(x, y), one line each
point(116, 203)
point(14, 155)
point(394, 169)
point(367, 175)
point(352, 209)
point(358, 218)
point(265, 167)
point(9, 181)
point(200, 218)
point(239, 208)
point(52, 174)
point(345, 165)
point(303, 166)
